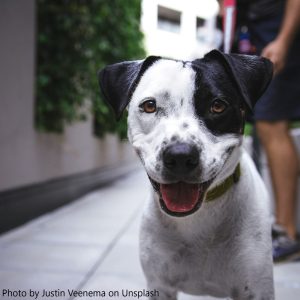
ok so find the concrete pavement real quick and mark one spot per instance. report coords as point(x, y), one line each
point(89, 250)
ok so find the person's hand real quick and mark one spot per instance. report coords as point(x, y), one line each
point(276, 51)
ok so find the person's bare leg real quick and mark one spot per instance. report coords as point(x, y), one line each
point(284, 168)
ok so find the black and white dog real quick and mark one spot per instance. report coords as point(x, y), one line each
point(206, 228)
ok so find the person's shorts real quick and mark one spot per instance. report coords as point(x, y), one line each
point(281, 101)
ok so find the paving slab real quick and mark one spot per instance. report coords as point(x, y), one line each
point(48, 257)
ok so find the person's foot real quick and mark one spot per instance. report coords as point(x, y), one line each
point(284, 248)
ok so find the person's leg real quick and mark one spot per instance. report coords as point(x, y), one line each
point(284, 168)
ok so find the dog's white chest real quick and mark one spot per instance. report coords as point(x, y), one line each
point(195, 262)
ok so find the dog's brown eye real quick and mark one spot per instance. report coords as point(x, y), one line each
point(149, 106)
point(218, 106)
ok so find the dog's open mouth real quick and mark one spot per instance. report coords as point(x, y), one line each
point(181, 198)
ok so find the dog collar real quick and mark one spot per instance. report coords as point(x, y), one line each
point(222, 188)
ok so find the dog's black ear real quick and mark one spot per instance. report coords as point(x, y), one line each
point(252, 74)
point(118, 82)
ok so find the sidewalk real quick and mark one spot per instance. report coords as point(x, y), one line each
point(91, 245)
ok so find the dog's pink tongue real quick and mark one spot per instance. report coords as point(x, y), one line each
point(180, 197)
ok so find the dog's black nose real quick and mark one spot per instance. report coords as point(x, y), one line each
point(181, 158)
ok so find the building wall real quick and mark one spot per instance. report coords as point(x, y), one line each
point(183, 44)
point(26, 156)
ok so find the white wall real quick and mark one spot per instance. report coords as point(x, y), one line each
point(27, 156)
point(182, 45)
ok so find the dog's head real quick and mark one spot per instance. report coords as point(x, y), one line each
point(186, 119)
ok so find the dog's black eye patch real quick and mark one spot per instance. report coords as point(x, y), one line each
point(228, 121)
point(217, 101)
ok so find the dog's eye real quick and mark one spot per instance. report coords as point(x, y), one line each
point(218, 106)
point(149, 106)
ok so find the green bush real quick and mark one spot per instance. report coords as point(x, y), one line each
point(75, 39)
